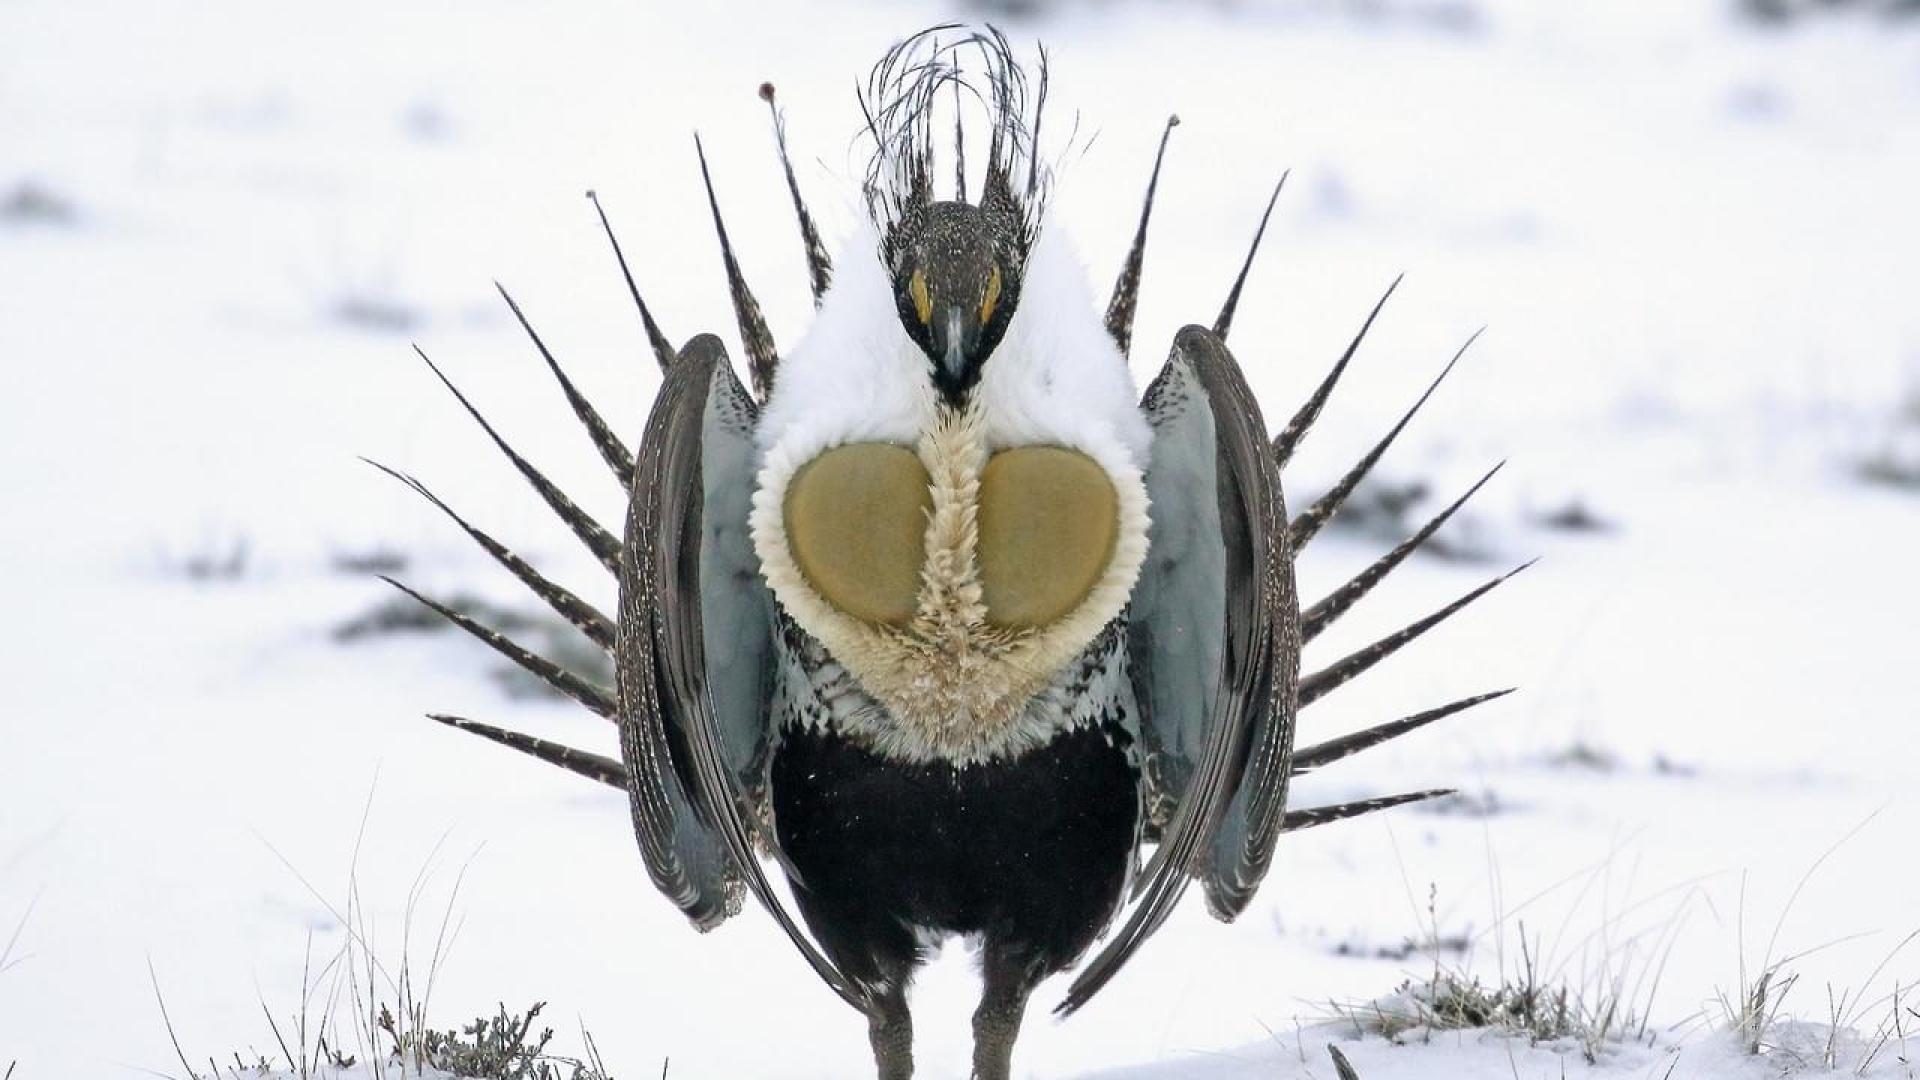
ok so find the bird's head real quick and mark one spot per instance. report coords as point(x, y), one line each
point(956, 281)
point(956, 263)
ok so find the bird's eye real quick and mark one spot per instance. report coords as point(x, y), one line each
point(992, 299)
point(922, 302)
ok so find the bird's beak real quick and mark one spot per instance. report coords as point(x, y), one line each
point(955, 359)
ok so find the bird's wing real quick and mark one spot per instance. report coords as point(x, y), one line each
point(1214, 640)
point(691, 657)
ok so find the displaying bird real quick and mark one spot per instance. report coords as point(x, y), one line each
point(942, 619)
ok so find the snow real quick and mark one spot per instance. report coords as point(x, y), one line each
point(1692, 240)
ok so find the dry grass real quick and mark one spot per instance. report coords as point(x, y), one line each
point(1582, 993)
point(1756, 1012)
point(369, 1005)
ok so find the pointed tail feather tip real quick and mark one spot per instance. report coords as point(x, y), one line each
point(819, 265)
point(662, 351)
point(1308, 524)
point(754, 335)
point(1326, 753)
point(593, 766)
point(612, 450)
point(1336, 603)
point(1315, 816)
point(1285, 443)
point(1223, 323)
point(590, 532)
point(1126, 289)
point(565, 603)
point(1317, 685)
point(593, 698)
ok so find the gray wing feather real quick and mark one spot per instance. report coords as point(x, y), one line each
point(693, 744)
point(735, 607)
point(1214, 635)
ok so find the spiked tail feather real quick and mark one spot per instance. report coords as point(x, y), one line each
point(819, 265)
point(1126, 290)
point(1333, 676)
point(611, 449)
point(1335, 604)
point(1313, 816)
point(1285, 443)
point(597, 700)
point(1304, 527)
point(754, 336)
point(1224, 322)
point(584, 616)
point(580, 762)
point(597, 539)
point(1326, 753)
point(662, 349)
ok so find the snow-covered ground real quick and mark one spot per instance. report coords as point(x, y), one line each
point(222, 222)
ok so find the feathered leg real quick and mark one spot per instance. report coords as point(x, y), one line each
point(1008, 982)
point(890, 1031)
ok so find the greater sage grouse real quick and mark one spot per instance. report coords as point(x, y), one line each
point(941, 619)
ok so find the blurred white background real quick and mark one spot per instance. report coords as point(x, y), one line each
point(1690, 226)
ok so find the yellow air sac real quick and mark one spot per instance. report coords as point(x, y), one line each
point(1049, 520)
point(857, 526)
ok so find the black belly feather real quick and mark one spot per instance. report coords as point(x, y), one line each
point(1031, 853)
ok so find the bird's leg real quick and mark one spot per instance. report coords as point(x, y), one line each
point(1008, 981)
point(890, 1030)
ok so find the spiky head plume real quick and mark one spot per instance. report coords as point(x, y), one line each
point(900, 98)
